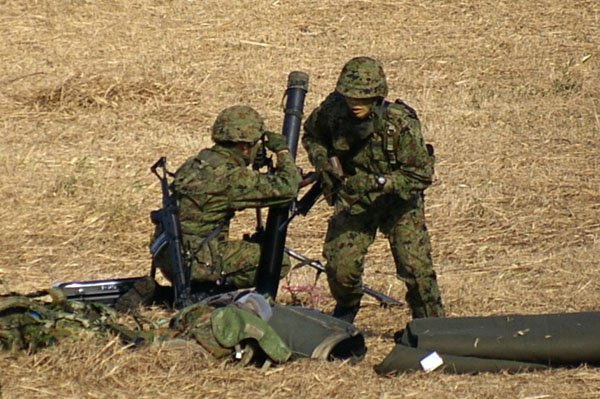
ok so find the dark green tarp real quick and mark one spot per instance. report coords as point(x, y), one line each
point(475, 344)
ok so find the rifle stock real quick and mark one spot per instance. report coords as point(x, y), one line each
point(308, 200)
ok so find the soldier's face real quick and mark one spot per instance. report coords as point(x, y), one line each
point(360, 107)
point(248, 151)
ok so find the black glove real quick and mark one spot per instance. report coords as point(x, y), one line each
point(276, 142)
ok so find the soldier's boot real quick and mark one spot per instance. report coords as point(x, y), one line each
point(420, 309)
point(143, 293)
point(347, 314)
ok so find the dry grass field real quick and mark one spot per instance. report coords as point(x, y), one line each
point(93, 92)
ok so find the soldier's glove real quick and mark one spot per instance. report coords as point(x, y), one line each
point(330, 181)
point(329, 187)
point(143, 293)
point(360, 185)
point(330, 174)
point(276, 142)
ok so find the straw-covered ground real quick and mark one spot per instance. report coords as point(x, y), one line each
point(93, 92)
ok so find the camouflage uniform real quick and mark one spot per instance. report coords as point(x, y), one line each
point(29, 324)
point(211, 186)
point(387, 144)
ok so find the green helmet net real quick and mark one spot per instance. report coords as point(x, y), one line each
point(238, 124)
point(362, 77)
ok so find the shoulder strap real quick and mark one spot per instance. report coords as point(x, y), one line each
point(390, 135)
point(410, 110)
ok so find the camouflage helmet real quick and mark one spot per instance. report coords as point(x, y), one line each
point(238, 124)
point(362, 77)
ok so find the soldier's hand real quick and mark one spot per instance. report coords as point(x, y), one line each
point(276, 142)
point(329, 188)
point(359, 184)
point(328, 172)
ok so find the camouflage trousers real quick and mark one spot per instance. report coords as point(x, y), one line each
point(403, 223)
point(224, 262)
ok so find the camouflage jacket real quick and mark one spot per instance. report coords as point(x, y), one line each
point(211, 186)
point(387, 143)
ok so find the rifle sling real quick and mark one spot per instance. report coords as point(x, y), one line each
point(216, 231)
point(160, 241)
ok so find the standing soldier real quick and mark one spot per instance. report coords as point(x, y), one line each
point(209, 188)
point(374, 167)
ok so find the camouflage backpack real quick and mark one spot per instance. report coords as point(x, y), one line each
point(228, 325)
point(236, 329)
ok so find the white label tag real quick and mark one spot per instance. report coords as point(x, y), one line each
point(431, 362)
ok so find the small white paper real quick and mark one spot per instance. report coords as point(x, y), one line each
point(239, 353)
point(431, 362)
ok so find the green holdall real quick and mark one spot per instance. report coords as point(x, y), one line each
point(407, 359)
point(494, 343)
point(312, 334)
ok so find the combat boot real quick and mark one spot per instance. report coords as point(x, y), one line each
point(143, 293)
point(347, 314)
point(436, 310)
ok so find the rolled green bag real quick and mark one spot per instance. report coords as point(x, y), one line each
point(309, 333)
point(551, 339)
point(406, 359)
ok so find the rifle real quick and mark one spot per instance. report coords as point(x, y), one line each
point(382, 298)
point(308, 200)
point(104, 291)
point(167, 221)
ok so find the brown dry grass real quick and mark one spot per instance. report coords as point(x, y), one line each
point(91, 93)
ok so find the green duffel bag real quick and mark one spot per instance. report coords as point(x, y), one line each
point(551, 339)
point(407, 359)
point(312, 334)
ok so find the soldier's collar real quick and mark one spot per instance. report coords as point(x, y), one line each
point(231, 153)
